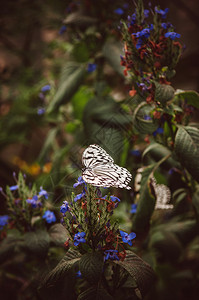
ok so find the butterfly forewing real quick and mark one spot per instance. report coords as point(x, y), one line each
point(100, 169)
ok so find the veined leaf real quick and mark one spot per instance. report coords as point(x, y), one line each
point(9, 246)
point(191, 97)
point(91, 266)
point(146, 202)
point(187, 149)
point(58, 234)
point(71, 78)
point(37, 242)
point(62, 269)
point(140, 123)
point(95, 293)
point(163, 92)
point(49, 142)
point(140, 271)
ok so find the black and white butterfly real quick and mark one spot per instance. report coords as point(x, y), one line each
point(100, 170)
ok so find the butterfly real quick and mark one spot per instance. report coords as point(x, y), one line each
point(100, 169)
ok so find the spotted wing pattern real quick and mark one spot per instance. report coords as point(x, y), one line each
point(100, 169)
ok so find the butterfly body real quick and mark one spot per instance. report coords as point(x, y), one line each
point(100, 169)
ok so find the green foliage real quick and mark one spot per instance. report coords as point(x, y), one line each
point(95, 294)
point(163, 92)
point(91, 266)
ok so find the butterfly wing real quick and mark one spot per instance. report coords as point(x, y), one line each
point(94, 155)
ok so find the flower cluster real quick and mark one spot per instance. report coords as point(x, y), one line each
point(25, 204)
point(88, 220)
point(151, 50)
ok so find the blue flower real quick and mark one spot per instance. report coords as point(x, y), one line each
point(80, 181)
point(111, 254)
point(91, 67)
point(46, 88)
point(146, 117)
point(133, 208)
point(139, 43)
point(79, 196)
point(119, 11)
point(135, 152)
point(3, 221)
point(64, 207)
point(49, 216)
point(161, 12)
point(43, 193)
point(113, 198)
point(40, 111)
point(14, 187)
point(172, 35)
point(78, 274)
point(79, 238)
point(127, 238)
point(34, 201)
point(160, 130)
point(62, 29)
point(146, 13)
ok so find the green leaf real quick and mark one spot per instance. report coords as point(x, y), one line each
point(80, 99)
point(111, 51)
point(195, 200)
point(146, 202)
point(191, 97)
point(80, 52)
point(37, 242)
point(77, 18)
point(71, 77)
point(140, 271)
point(163, 92)
point(91, 266)
point(63, 268)
point(9, 246)
point(140, 124)
point(48, 144)
point(58, 234)
point(95, 293)
point(187, 149)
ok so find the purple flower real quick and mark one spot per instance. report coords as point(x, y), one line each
point(40, 111)
point(133, 208)
point(136, 152)
point(49, 216)
point(111, 254)
point(64, 207)
point(3, 221)
point(43, 193)
point(62, 29)
point(161, 12)
point(79, 238)
point(46, 88)
point(14, 187)
point(146, 13)
point(34, 201)
point(127, 238)
point(172, 35)
point(139, 43)
point(91, 67)
point(113, 198)
point(80, 181)
point(119, 11)
point(146, 117)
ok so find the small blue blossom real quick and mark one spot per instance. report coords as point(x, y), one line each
point(43, 193)
point(46, 88)
point(13, 187)
point(62, 29)
point(40, 111)
point(127, 238)
point(160, 130)
point(147, 118)
point(119, 11)
point(64, 207)
point(80, 181)
point(79, 238)
point(113, 198)
point(125, 5)
point(135, 152)
point(146, 13)
point(3, 221)
point(111, 254)
point(79, 196)
point(49, 216)
point(133, 208)
point(132, 19)
point(34, 201)
point(91, 67)
point(78, 274)
point(172, 35)
point(161, 12)
point(139, 44)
